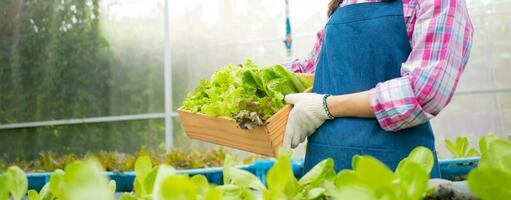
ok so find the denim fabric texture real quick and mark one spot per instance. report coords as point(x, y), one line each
point(364, 44)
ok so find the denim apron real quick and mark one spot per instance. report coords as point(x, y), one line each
point(364, 44)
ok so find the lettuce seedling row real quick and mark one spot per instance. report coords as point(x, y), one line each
point(450, 169)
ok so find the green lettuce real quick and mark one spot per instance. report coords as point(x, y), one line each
point(247, 93)
point(372, 179)
point(460, 149)
point(492, 178)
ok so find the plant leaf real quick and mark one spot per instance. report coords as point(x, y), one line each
point(229, 162)
point(17, 182)
point(413, 178)
point(280, 178)
point(462, 145)
point(56, 183)
point(213, 194)
point(4, 189)
point(492, 177)
point(452, 148)
point(421, 156)
point(347, 178)
point(496, 153)
point(230, 191)
point(315, 193)
point(127, 196)
point(112, 186)
point(354, 192)
point(485, 143)
point(177, 187)
point(138, 188)
point(324, 170)
point(84, 180)
point(45, 193)
point(244, 179)
point(472, 152)
point(373, 173)
point(143, 166)
point(490, 183)
point(32, 195)
point(164, 171)
point(150, 180)
point(201, 183)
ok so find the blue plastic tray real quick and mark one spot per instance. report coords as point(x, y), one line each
point(451, 169)
point(457, 169)
point(124, 180)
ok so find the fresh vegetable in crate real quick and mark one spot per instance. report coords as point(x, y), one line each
point(247, 93)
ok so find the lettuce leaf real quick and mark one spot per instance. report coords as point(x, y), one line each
point(247, 93)
point(492, 178)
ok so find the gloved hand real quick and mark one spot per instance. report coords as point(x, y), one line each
point(306, 116)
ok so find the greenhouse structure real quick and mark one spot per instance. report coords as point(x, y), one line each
point(268, 99)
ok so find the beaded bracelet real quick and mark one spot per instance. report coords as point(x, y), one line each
point(325, 106)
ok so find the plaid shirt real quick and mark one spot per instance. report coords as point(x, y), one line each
point(440, 33)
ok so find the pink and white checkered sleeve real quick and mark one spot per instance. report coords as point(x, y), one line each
point(308, 65)
point(441, 41)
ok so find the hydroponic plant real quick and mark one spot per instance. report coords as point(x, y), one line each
point(369, 179)
point(460, 149)
point(247, 93)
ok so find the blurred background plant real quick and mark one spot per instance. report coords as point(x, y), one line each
point(460, 148)
point(120, 162)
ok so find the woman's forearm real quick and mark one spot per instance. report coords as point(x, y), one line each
point(350, 105)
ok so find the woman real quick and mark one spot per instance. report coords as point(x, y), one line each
point(383, 70)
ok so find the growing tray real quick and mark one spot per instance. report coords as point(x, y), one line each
point(264, 140)
point(457, 169)
point(124, 180)
point(449, 168)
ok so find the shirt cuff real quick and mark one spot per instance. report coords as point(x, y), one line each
point(294, 66)
point(395, 106)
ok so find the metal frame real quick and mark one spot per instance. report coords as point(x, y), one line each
point(167, 77)
point(85, 120)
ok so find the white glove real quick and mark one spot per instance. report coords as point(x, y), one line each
point(306, 116)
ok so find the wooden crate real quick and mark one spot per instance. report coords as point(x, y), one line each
point(264, 140)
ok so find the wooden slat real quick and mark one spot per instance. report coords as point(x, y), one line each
point(242, 139)
point(214, 130)
point(277, 142)
point(258, 148)
point(225, 132)
point(276, 127)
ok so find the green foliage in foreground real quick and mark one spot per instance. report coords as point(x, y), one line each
point(492, 178)
point(80, 180)
point(460, 149)
point(369, 179)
